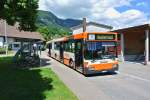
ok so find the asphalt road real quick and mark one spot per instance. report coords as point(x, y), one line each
point(132, 82)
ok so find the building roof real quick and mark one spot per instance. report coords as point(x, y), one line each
point(92, 23)
point(139, 28)
point(12, 31)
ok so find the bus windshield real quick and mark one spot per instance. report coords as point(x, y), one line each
point(100, 50)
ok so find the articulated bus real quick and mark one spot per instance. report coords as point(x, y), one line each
point(87, 53)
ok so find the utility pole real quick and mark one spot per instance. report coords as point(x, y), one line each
point(83, 45)
point(6, 38)
point(84, 24)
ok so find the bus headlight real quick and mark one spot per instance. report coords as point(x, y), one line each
point(115, 66)
point(91, 68)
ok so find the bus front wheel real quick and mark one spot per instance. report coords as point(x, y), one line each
point(71, 64)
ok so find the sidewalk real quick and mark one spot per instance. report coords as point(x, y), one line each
point(78, 83)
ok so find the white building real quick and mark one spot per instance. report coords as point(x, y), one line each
point(91, 27)
point(15, 38)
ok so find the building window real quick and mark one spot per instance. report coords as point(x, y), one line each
point(119, 37)
point(16, 45)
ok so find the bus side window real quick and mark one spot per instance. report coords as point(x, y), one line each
point(73, 47)
point(68, 46)
point(56, 46)
point(50, 46)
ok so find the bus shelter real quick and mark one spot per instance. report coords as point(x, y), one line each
point(134, 43)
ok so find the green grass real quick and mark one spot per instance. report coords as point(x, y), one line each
point(35, 84)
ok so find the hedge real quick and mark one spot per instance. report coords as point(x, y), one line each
point(2, 50)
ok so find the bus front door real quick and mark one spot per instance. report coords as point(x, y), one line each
point(61, 52)
point(79, 55)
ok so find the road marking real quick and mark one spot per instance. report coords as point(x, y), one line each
point(135, 77)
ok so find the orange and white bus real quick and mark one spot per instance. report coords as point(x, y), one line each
point(86, 52)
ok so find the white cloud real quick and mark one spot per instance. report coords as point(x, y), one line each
point(141, 4)
point(131, 18)
point(102, 11)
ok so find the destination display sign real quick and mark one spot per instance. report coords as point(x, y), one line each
point(104, 36)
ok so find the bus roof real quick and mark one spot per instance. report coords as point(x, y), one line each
point(83, 35)
point(58, 39)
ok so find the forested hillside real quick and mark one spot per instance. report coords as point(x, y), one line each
point(51, 26)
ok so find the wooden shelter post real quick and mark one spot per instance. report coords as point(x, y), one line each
point(122, 47)
point(146, 47)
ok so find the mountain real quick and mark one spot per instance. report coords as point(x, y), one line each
point(50, 26)
point(46, 18)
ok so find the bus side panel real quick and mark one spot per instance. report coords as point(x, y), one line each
point(67, 57)
point(66, 61)
point(55, 54)
point(52, 53)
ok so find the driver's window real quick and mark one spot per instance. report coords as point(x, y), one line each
point(78, 45)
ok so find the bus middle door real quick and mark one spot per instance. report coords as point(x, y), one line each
point(78, 55)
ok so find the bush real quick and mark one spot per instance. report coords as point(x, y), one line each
point(9, 48)
point(25, 60)
point(2, 51)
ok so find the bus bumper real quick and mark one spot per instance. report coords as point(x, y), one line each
point(92, 71)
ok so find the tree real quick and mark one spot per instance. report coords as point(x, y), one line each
point(21, 11)
point(45, 33)
point(52, 32)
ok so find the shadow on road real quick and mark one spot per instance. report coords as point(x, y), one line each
point(45, 62)
point(102, 74)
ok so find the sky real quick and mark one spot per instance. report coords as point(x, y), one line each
point(117, 13)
